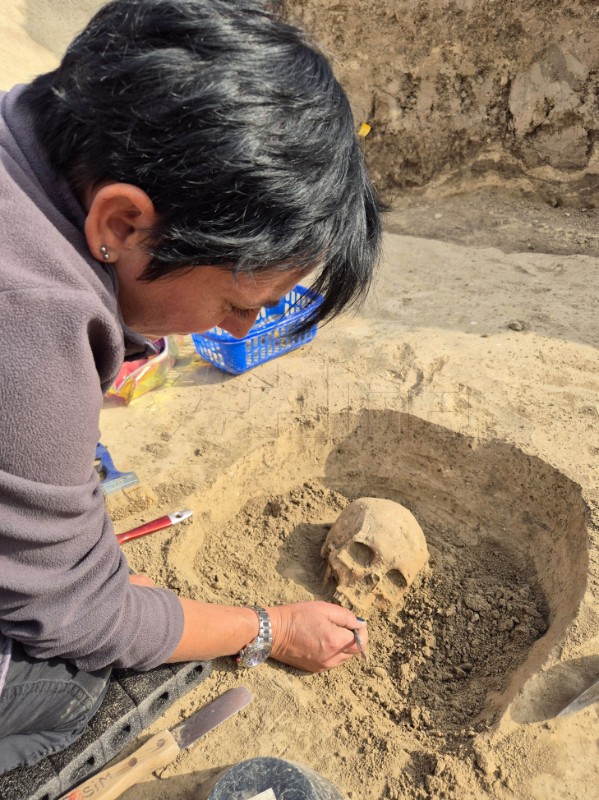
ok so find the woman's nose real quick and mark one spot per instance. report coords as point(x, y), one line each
point(239, 327)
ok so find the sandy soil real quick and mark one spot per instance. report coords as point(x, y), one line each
point(490, 436)
point(488, 433)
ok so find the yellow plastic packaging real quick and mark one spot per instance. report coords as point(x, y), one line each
point(138, 377)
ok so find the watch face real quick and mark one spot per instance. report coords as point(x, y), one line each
point(257, 655)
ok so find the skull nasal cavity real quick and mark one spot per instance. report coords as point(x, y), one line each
point(397, 579)
point(361, 553)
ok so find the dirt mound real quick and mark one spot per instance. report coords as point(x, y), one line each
point(466, 629)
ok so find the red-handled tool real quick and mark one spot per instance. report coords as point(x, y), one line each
point(153, 526)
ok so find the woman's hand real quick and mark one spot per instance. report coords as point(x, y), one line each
point(314, 636)
point(141, 580)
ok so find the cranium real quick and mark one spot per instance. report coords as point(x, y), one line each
point(375, 549)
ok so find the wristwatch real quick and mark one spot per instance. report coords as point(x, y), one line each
point(259, 649)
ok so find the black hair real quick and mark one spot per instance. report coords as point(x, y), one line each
point(235, 127)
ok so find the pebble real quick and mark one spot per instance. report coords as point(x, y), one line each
point(507, 625)
point(476, 603)
point(380, 672)
point(515, 325)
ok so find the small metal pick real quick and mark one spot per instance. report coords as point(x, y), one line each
point(359, 643)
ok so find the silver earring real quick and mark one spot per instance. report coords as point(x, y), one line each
point(105, 253)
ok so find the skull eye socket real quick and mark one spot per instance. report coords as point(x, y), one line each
point(361, 553)
point(397, 579)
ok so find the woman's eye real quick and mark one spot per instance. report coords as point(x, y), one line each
point(242, 313)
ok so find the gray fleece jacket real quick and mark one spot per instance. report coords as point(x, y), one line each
point(64, 587)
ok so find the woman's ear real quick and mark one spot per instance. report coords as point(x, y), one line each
point(119, 216)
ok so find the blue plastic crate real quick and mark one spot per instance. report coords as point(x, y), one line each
point(271, 335)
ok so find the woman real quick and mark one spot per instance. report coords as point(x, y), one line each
point(188, 163)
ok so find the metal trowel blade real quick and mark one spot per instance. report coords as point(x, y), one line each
point(586, 698)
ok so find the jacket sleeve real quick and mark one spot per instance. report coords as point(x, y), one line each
point(64, 588)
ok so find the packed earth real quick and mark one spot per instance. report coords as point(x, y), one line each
point(465, 389)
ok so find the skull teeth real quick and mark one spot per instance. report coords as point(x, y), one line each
point(340, 598)
point(343, 600)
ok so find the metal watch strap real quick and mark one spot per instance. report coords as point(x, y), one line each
point(259, 648)
point(265, 630)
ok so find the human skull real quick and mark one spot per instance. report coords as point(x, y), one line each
point(375, 549)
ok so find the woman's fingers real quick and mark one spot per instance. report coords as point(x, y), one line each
point(315, 636)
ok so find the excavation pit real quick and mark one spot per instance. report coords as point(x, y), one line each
point(507, 539)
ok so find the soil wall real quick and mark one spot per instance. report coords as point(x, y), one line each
point(459, 93)
point(464, 92)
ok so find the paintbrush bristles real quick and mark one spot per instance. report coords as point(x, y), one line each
point(129, 500)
